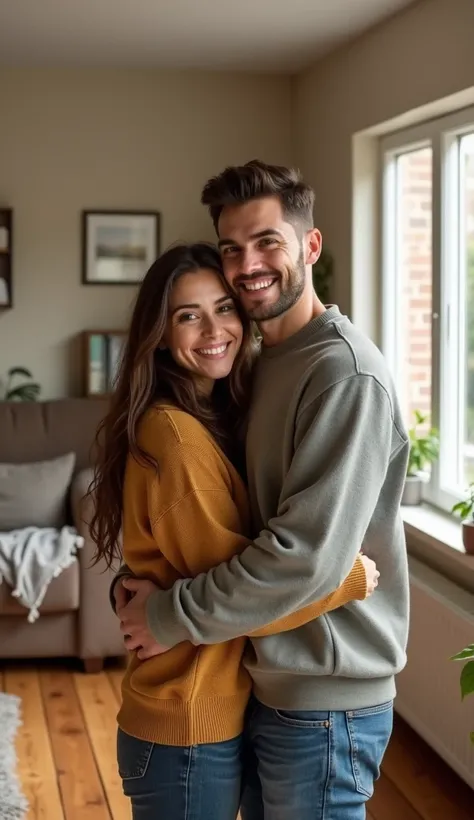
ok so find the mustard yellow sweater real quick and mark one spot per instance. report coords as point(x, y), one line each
point(185, 519)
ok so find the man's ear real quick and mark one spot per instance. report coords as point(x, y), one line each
point(314, 246)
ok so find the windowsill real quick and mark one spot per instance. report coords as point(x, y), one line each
point(438, 526)
point(436, 539)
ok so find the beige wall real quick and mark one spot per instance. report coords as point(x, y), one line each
point(102, 139)
point(415, 58)
point(148, 139)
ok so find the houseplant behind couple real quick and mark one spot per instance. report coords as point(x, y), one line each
point(326, 459)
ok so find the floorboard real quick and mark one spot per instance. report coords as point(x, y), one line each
point(99, 707)
point(36, 767)
point(67, 755)
point(388, 803)
point(430, 786)
point(82, 794)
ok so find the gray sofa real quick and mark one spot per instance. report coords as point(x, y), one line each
point(75, 616)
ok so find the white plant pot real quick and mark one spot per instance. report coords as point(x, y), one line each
point(412, 491)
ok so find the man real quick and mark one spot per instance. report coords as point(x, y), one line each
point(326, 461)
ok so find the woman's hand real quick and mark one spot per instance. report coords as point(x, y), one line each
point(372, 574)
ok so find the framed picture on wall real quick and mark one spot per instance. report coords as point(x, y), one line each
point(118, 247)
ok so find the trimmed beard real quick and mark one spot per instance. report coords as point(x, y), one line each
point(288, 297)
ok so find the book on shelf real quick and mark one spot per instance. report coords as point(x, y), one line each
point(104, 353)
point(115, 345)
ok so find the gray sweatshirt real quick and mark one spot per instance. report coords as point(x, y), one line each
point(326, 456)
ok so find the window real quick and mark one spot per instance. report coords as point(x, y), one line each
point(466, 154)
point(428, 287)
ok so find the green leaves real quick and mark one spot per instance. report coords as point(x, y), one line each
point(26, 391)
point(322, 275)
point(465, 654)
point(467, 673)
point(19, 371)
point(467, 680)
point(465, 508)
point(424, 448)
point(420, 417)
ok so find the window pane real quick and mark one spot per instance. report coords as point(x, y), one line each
point(414, 280)
point(467, 288)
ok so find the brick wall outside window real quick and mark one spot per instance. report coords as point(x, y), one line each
point(469, 308)
point(414, 202)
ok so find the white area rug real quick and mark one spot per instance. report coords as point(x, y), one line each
point(13, 803)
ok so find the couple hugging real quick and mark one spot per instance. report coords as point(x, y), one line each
point(252, 463)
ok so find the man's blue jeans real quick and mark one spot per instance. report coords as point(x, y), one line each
point(181, 783)
point(313, 765)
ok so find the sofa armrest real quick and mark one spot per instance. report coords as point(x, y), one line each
point(82, 507)
point(99, 629)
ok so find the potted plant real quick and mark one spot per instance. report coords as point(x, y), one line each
point(25, 391)
point(465, 509)
point(424, 450)
point(467, 673)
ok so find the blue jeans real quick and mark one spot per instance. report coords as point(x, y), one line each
point(313, 765)
point(181, 783)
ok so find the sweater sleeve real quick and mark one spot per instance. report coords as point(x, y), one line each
point(354, 587)
point(343, 444)
point(201, 518)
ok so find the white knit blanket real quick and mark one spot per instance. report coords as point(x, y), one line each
point(31, 557)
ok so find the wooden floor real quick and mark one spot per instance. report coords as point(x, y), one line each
point(66, 753)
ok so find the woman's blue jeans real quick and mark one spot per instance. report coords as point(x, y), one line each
point(181, 783)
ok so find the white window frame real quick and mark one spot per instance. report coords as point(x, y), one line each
point(442, 135)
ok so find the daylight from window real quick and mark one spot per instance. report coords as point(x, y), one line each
point(428, 288)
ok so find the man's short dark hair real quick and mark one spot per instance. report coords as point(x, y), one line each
point(241, 183)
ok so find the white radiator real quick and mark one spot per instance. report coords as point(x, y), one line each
point(429, 696)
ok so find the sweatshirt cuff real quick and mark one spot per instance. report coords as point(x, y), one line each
point(162, 620)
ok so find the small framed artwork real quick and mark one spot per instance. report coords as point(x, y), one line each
point(118, 247)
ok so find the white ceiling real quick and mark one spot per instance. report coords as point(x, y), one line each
point(267, 35)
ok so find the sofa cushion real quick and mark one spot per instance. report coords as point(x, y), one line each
point(35, 494)
point(37, 430)
point(62, 595)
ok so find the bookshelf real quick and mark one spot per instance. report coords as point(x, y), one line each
point(6, 247)
point(101, 355)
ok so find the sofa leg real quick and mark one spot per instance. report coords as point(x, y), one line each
point(93, 665)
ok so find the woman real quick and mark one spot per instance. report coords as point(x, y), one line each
point(168, 477)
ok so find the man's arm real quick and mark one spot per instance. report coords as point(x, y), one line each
point(361, 582)
point(343, 443)
point(355, 587)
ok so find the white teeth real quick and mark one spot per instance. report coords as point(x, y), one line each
point(213, 351)
point(265, 283)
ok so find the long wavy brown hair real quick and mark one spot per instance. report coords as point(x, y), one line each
point(149, 374)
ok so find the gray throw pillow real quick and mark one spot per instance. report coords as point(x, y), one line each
point(35, 495)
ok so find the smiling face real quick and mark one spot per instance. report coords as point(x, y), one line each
point(204, 331)
point(265, 262)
